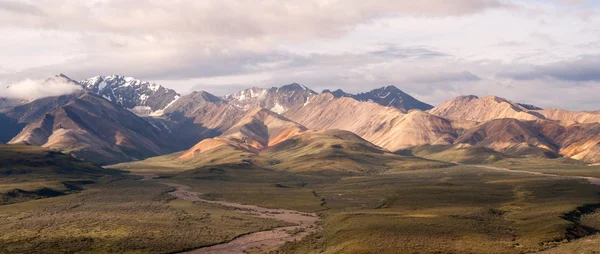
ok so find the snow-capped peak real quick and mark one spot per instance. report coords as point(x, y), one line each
point(131, 93)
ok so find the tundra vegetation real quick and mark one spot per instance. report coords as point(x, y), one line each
point(461, 208)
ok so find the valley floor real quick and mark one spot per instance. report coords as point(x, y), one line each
point(461, 209)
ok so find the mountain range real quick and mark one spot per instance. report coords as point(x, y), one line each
point(116, 119)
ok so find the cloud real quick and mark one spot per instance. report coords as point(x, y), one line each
point(582, 69)
point(34, 89)
point(437, 77)
point(228, 18)
point(19, 8)
point(433, 49)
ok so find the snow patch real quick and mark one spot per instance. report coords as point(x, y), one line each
point(141, 110)
point(392, 101)
point(143, 98)
point(278, 108)
point(150, 122)
point(308, 100)
point(102, 86)
point(167, 128)
point(154, 87)
point(161, 112)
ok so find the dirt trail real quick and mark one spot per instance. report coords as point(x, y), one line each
point(591, 180)
point(263, 240)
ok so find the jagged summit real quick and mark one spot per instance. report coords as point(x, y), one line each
point(338, 93)
point(389, 96)
point(276, 99)
point(477, 109)
point(143, 98)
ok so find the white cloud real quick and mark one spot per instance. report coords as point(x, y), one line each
point(34, 89)
point(224, 18)
point(434, 49)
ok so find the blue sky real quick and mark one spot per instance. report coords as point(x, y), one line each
point(540, 52)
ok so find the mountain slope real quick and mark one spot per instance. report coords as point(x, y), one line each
point(567, 117)
point(387, 127)
point(8, 103)
point(581, 142)
point(329, 152)
point(143, 98)
point(477, 109)
point(389, 96)
point(197, 116)
point(21, 160)
point(334, 150)
point(96, 130)
point(487, 108)
point(276, 99)
point(510, 136)
point(257, 130)
point(31, 172)
point(461, 153)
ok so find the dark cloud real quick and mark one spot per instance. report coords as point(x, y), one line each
point(585, 68)
point(228, 19)
point(437, 77)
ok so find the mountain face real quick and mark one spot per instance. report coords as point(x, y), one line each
point(276, 99)
point(293, 148)
point(8, 102)
point(512, 137)
point(389, 96)
point(567, 117)
point(477, 109)
point(198, 116)
point(98, 123)
point(95, 130)
point(258, 129)
point(387, 127)
point(142, 98)
point(581, 142)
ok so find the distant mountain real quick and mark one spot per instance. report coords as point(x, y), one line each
point(7, 103)
point(339, 93)
point(20, 161)
point(17, 114)
point(266, 139)
point(567, 117)
point(93, 129)
point(477, 109)
point(198, 116)
point(387, 127)
point(276, 99)
point(389, 96)
point(513, 137)
point(142, 98)
point(529, 106)
point(581, 142)
point(115, 119)
point(257, 130)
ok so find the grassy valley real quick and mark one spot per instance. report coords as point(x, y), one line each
point(452, 209)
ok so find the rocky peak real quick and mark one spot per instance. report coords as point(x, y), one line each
point(338, 93)
point(142, 98)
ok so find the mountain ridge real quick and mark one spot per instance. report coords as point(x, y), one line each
point(256, 119)
point(389, 96)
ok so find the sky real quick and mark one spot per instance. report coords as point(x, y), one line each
point(541, 52)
